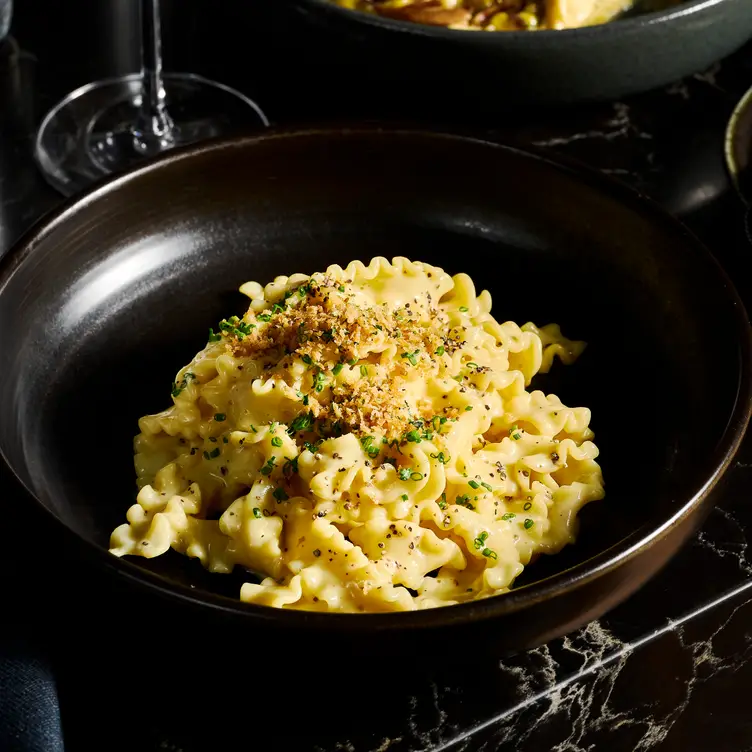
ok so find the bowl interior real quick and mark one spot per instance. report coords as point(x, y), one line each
point(107, 302)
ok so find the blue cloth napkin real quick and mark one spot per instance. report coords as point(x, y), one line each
point(29, 709)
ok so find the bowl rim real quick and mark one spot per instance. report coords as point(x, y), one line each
point(519, 599)
point(685, 9)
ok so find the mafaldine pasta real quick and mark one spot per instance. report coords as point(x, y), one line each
point(363, 440)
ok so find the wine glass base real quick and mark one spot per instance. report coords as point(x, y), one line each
point(90, 134)
point(738, 147)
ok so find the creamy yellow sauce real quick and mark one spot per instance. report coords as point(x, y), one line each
point(364, 439)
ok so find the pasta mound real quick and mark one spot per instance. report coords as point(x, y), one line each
point(363, 439)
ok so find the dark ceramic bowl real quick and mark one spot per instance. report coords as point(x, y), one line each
point(102, 303)
point(644, 50)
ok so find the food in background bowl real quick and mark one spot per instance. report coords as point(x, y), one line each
point(495, 15)
point(364, 440)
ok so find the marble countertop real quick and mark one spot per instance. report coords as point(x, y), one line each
point(668, 670)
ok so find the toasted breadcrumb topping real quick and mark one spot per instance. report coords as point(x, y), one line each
point(359, 354)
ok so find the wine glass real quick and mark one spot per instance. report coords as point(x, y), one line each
point(107, 126)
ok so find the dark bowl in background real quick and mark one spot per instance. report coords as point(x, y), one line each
point(646, 49)
point(105, 300)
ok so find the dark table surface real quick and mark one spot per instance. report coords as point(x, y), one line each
point(668, 670)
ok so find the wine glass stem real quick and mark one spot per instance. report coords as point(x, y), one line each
point(154, 130)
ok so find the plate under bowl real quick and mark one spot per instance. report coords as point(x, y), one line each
point(103, 302)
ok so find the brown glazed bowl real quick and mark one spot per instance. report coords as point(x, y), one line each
point(105, 300)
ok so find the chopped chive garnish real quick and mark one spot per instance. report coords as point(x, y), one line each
point(441, 457)
point(280, 495)
point(336, 370)
point(276, 442)
point(264, 317)
point(352, 362)
point(404, 497)
point(489, 554)
point(213, 454)
point(468, 408)
point(529, 523)
point(372, 451)
point(413, 436)
point(319, 382)
point(364, 371)
point(404, 473)
point(257, 513)
point(233, 325)
point(307, 360)
point(508, 516)
point(464, 501)
point(464, 309)
point(328, 335)
point(214, 336)
point(269, 466)
point(440, 350)
point(527, 506)
point(177, 388)
point(290, 467)
point(301, 423)
point(473, 484)
point(416, 475)
point(480, 541)
point(412, 357)
point(219, 417)
point(341, 288)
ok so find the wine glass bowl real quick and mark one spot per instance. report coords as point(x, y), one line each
point(95, 131)
point(109, 125)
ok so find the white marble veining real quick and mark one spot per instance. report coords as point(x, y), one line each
point(618, 126)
